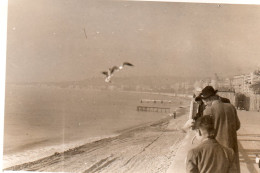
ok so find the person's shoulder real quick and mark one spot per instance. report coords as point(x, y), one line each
point(198, 148)
point(229, 105)
point(216, 104)
point(224, 100)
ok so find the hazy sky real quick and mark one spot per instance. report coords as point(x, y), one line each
point(46, 40)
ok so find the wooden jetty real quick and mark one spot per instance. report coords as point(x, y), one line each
point(154, 101)
point(152, 109)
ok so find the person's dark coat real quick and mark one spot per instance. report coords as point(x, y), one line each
point(210, 157)
point(224, 100)
point(226, 124)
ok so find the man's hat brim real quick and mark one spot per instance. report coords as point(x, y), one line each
point(208, 95)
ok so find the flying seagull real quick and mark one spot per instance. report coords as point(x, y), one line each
point(109, 73)
point(112, 70)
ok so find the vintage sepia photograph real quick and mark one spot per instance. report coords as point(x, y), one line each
point(121, 86)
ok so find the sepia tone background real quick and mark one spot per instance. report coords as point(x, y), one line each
point(46, 40)
point(56, 96)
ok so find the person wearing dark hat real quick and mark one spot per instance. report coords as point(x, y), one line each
point(211, 90)
point(226, 122)
point(209, 156)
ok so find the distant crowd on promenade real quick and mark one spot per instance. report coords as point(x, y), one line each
point(215, 121)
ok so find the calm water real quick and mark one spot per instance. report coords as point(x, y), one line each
point(44, 116)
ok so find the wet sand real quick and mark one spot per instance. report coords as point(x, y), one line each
point(147, 148)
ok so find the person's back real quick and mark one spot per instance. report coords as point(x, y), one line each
point(226, 124)
point(210, 157)
point(226, 121)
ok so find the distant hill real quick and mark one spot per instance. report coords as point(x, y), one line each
point(166, 83)
point(134, 81)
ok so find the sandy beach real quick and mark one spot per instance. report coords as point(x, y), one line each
point(103, 125)
point(146, 148)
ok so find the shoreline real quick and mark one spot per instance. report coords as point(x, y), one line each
point(31, 155)
point(77, 144)
point(34, 145)
point(10, 159)
point(144, 130)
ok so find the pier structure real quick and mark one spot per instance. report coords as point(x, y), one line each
point(154, 101)
point(152, 109)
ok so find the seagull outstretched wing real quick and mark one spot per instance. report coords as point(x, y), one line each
point(127, 63)
point(113, 69)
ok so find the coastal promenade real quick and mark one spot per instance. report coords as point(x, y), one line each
point(248, 143)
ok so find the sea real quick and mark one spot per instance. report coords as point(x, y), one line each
point(42, 120)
